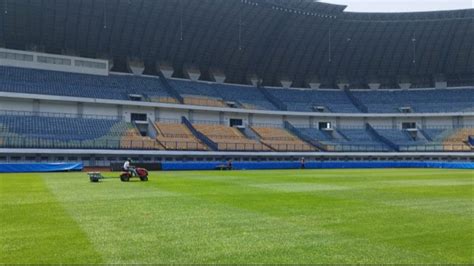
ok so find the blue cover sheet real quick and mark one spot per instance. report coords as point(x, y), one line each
point(315, 165)
point(39, 167)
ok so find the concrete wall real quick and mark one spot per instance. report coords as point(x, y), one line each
point(74, 64)
point(171, 114)
point(351, 122)
point(299, 121)
point(16, 105)
point(167, 113)
point(267, 119)
point(58, 107)
point(99, 109)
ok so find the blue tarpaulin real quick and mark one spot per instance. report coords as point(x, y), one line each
point(315, 165)
point(39, 167)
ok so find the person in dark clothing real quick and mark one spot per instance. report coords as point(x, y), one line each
point(302, 166)
point(229, 164)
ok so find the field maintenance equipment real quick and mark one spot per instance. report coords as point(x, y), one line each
point(95, 177)
point(141, 173)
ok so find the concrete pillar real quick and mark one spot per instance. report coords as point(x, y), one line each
point(221, 118)
point(157, 114)
point(193, 71)
point(191, 116)
point(254, 81)
point(374, 86)
point(286, 83)
point(137, 67)
point(404, 85)
point(343, 85)
point(166, 69)
point(219, 78)
point(250, 119)
point(120, 112)
point(80, 110)
point(36, 106)
point(315, 85)
point(423, 122)
point(441, 85)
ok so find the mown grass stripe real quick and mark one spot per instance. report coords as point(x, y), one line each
point(36, 229)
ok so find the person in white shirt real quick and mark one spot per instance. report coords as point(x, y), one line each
point(128, 168)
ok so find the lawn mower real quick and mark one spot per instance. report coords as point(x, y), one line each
point(141, 173)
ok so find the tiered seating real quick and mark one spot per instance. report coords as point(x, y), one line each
point(33, 131)
point(361, 138)
point(248, 97)
point(193, 100)
point(401, 137)
point(281, 140)
point(421, 101)
point(177, 137)
point(117, 87)
point(458, 141)
point(245, 96)
point(304, 100)
point(230, 139)
point(352, 139)
point(132, 139)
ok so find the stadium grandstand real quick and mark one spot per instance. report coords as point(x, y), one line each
point(247, 80)
point(236, 132)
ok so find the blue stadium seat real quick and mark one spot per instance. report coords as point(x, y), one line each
point(298, 100)
point(117, 87)
point(420, 101)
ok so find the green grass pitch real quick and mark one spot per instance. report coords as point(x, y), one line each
point(284, 216)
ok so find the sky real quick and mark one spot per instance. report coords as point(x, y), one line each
point(402, 5)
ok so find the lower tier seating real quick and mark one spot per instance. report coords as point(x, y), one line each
point(39, 131)
point(177, 137)
point(281, 140)
point(458, 140)
point(132, 139)
point(203, 101)
point(344, 139)
point(230, 138)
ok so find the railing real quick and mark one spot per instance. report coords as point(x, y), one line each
point(183, 145)
point(436, 148)
point(58, 115)
point(177, 136)
point(212, 102)
point(204, 122)
point(270, 125)
point(381, 138)
point(39, 143)
point(356, 102)
point(169, 120)
point(16, 142)
point(170, 89)
point(272, 99)
point(255, 147)
point(162, 99)
point(211, 144)
point(291, 147)
point(220, 137)
point(356, 148)
point(313, 142)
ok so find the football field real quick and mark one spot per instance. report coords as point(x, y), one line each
point(281, 216)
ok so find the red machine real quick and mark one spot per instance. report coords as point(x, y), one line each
point(142, 173)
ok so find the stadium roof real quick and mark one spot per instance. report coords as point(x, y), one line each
point(298, 40)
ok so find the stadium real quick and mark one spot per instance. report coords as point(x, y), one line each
point(350, 135)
